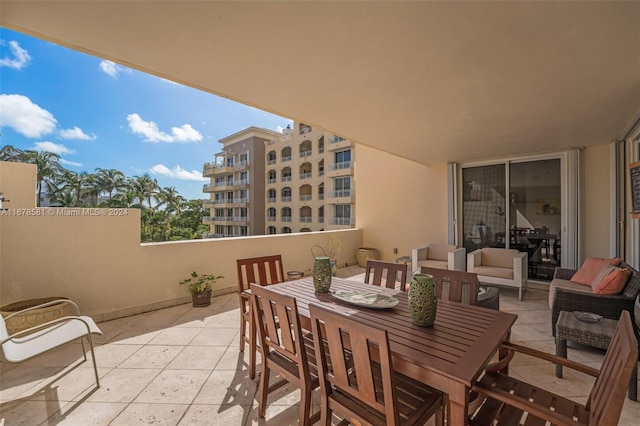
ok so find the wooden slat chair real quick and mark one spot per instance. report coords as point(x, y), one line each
point(284, 349)
point(455, 286)
point(356, 387)
point(25, 344)
point(264, 270)
point(391, 272)
point(509, 401)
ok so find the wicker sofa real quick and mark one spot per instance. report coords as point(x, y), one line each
point(565, 295)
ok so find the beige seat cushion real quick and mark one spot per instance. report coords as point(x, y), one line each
point(492, 271)
point(440, 252)
point(501, 258)
point(439, 264)
point(565, 284)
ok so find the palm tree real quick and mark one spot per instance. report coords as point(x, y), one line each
point(47, 164)
point(10, 153)
point(109, 180)
point(78, 184)
point(145, 187)
point(171, 199)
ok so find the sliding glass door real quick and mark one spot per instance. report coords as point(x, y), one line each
point(515, 204)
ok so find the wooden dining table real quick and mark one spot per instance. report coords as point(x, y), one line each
point(449, 356)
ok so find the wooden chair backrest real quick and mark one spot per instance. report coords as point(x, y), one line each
point(278, 325)
point(392, 271)
point(264, 270)
point(459, 284)
point(342, 333)
point(609, 390)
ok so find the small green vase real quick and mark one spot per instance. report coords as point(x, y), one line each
point(322, 274)
point(422, 300)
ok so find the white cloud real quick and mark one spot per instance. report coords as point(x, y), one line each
point(76, 133)
point(177, 172)
point(112, 69)
point(151, 133)
point(52, 147)
point(20, 56)
point(25, 117)
point(70, 163)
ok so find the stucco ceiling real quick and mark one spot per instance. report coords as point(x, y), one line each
point(431, 81)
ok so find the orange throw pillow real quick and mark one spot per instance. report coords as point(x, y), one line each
point(614, 282)
point(590, 268)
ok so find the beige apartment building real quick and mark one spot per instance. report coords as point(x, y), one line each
point(236, 188)
point(309, 181)
point(265, 182)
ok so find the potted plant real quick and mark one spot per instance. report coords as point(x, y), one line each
point(200, 287)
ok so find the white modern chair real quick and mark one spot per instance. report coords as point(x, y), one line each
point(25, 344)
point(438, 255)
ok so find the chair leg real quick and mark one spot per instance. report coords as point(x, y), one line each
point(305, 406)
point(84, 351)
point(93, 358)
point(263, 390)
point(243, 325)
point(561, 350)
point(252, 349)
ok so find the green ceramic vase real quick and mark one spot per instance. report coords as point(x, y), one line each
point(322, 274)
point(422, 300)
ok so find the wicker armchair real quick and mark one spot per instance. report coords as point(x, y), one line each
point(609, 306)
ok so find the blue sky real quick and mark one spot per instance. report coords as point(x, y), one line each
point(95, 113)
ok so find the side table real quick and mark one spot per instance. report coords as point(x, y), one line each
point(404, 259)
point(595, 334)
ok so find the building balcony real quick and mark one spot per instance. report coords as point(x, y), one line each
point(241, 219)
point(240, 201)
point(286, 178)
point(209, 203)
point(306, 197)
point(241, 183)
point(271, 199)
point(341, 221)
point(271, 219)
point(306, 175)
point(207, 187)
point(286, 158)
point(210, 169)
point(271, 162)
point(286, 199)
point(286, 218)
point(305, 153)
point(305, 219)
point(342, 196)
point(272, 181)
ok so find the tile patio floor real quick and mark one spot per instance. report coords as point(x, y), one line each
point(181, 366)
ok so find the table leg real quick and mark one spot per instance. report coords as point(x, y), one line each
point(458, 405)
point(561, 350)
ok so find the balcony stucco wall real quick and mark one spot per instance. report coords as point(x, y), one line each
point(400, 203)
point(98, 261)
point(597, 201)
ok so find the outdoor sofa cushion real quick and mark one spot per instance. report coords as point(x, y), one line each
point(613, 282)
point(430, 263)
point(494, 271)
point(590, 268)
point(499, 258)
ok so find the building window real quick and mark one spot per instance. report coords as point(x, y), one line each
point(342, 156)
point(342, 187)
point(342, 214)
point(286, 230)
point(271, 157)
point(271, 196)
point(271, 230)
point(286, 194)
point(286, 154)
point(286, 214)
point(271, 176)
point(244, 231)
point(286, 174)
